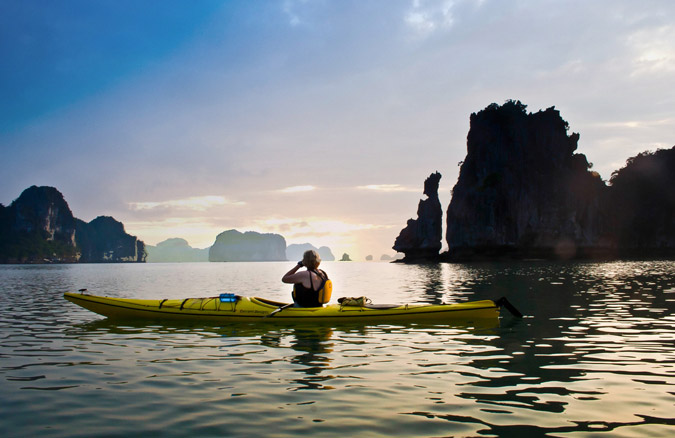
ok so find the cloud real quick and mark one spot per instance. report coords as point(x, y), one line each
point(388, 188)
point(293, 227)
point(289, 8)
point(296, 189)
point(197, 203)
point(637, 124)
point(426, 17)
point(653, 50)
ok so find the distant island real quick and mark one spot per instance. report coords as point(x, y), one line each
point(295, 252)
point(250, 247)
point(39, 227)
point(175, 250)
point(523, 192)
point(234, 246)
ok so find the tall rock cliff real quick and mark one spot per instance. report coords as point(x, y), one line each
point(421, 238)
point(234, 246)
point(37, 227)
point(641, 205)
point(522, 191)
point(104, 240)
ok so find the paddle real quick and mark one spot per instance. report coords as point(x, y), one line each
point(285, 306)
point(503, 302)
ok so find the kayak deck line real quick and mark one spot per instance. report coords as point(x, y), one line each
point(253, 308)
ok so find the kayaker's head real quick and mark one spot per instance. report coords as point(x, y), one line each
point(311, 259)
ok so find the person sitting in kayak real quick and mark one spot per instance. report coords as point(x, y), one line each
point(311, 288)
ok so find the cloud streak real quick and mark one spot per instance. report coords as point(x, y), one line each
point(388, 188)
point(298, 189)
point(197, 203)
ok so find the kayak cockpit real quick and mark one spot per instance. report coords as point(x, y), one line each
point(265, 302)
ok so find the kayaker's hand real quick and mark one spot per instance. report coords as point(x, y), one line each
point(300, 263)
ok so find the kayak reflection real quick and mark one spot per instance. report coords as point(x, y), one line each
point(313, 345)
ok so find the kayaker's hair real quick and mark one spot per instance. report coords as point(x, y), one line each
point(311, 259)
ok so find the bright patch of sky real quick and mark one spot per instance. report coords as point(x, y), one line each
point(316, 119)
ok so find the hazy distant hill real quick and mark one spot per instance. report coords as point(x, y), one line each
point(234, 246)
point(295, 251)
point(175, 250)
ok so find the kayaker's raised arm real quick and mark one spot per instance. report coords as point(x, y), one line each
point(292, 276)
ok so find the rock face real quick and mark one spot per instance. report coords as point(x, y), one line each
point(233, 246)
point(522, 191)
point(641, 205)
point(37, 227)
point(175, 250)
point(104, 240)
point(295, 252)
point(421, 238)
point(345, 258)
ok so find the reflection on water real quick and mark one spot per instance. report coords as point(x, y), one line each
point(594, 355)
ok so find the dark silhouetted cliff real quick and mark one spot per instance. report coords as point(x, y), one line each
point(39, 227)
point(522, 191)
point(421, 238)
point(233, 246)
point(104, 240)
point(641, 205)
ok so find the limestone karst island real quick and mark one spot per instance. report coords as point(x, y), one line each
point(523, 192)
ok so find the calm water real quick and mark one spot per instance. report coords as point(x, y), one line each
point(595, 356)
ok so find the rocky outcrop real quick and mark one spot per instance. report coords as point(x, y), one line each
point(234, 246)
point(345, 258)
point(640, 205)
point(522, 191)
point(37, 227)
point(175, 250)
point(295, 252)
point(421, 238)
point(104, 240)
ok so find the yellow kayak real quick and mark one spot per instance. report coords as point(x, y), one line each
point(250, 309)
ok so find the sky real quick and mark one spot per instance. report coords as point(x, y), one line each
point(317, 120)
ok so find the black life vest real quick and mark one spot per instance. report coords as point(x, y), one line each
point(308, 297)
